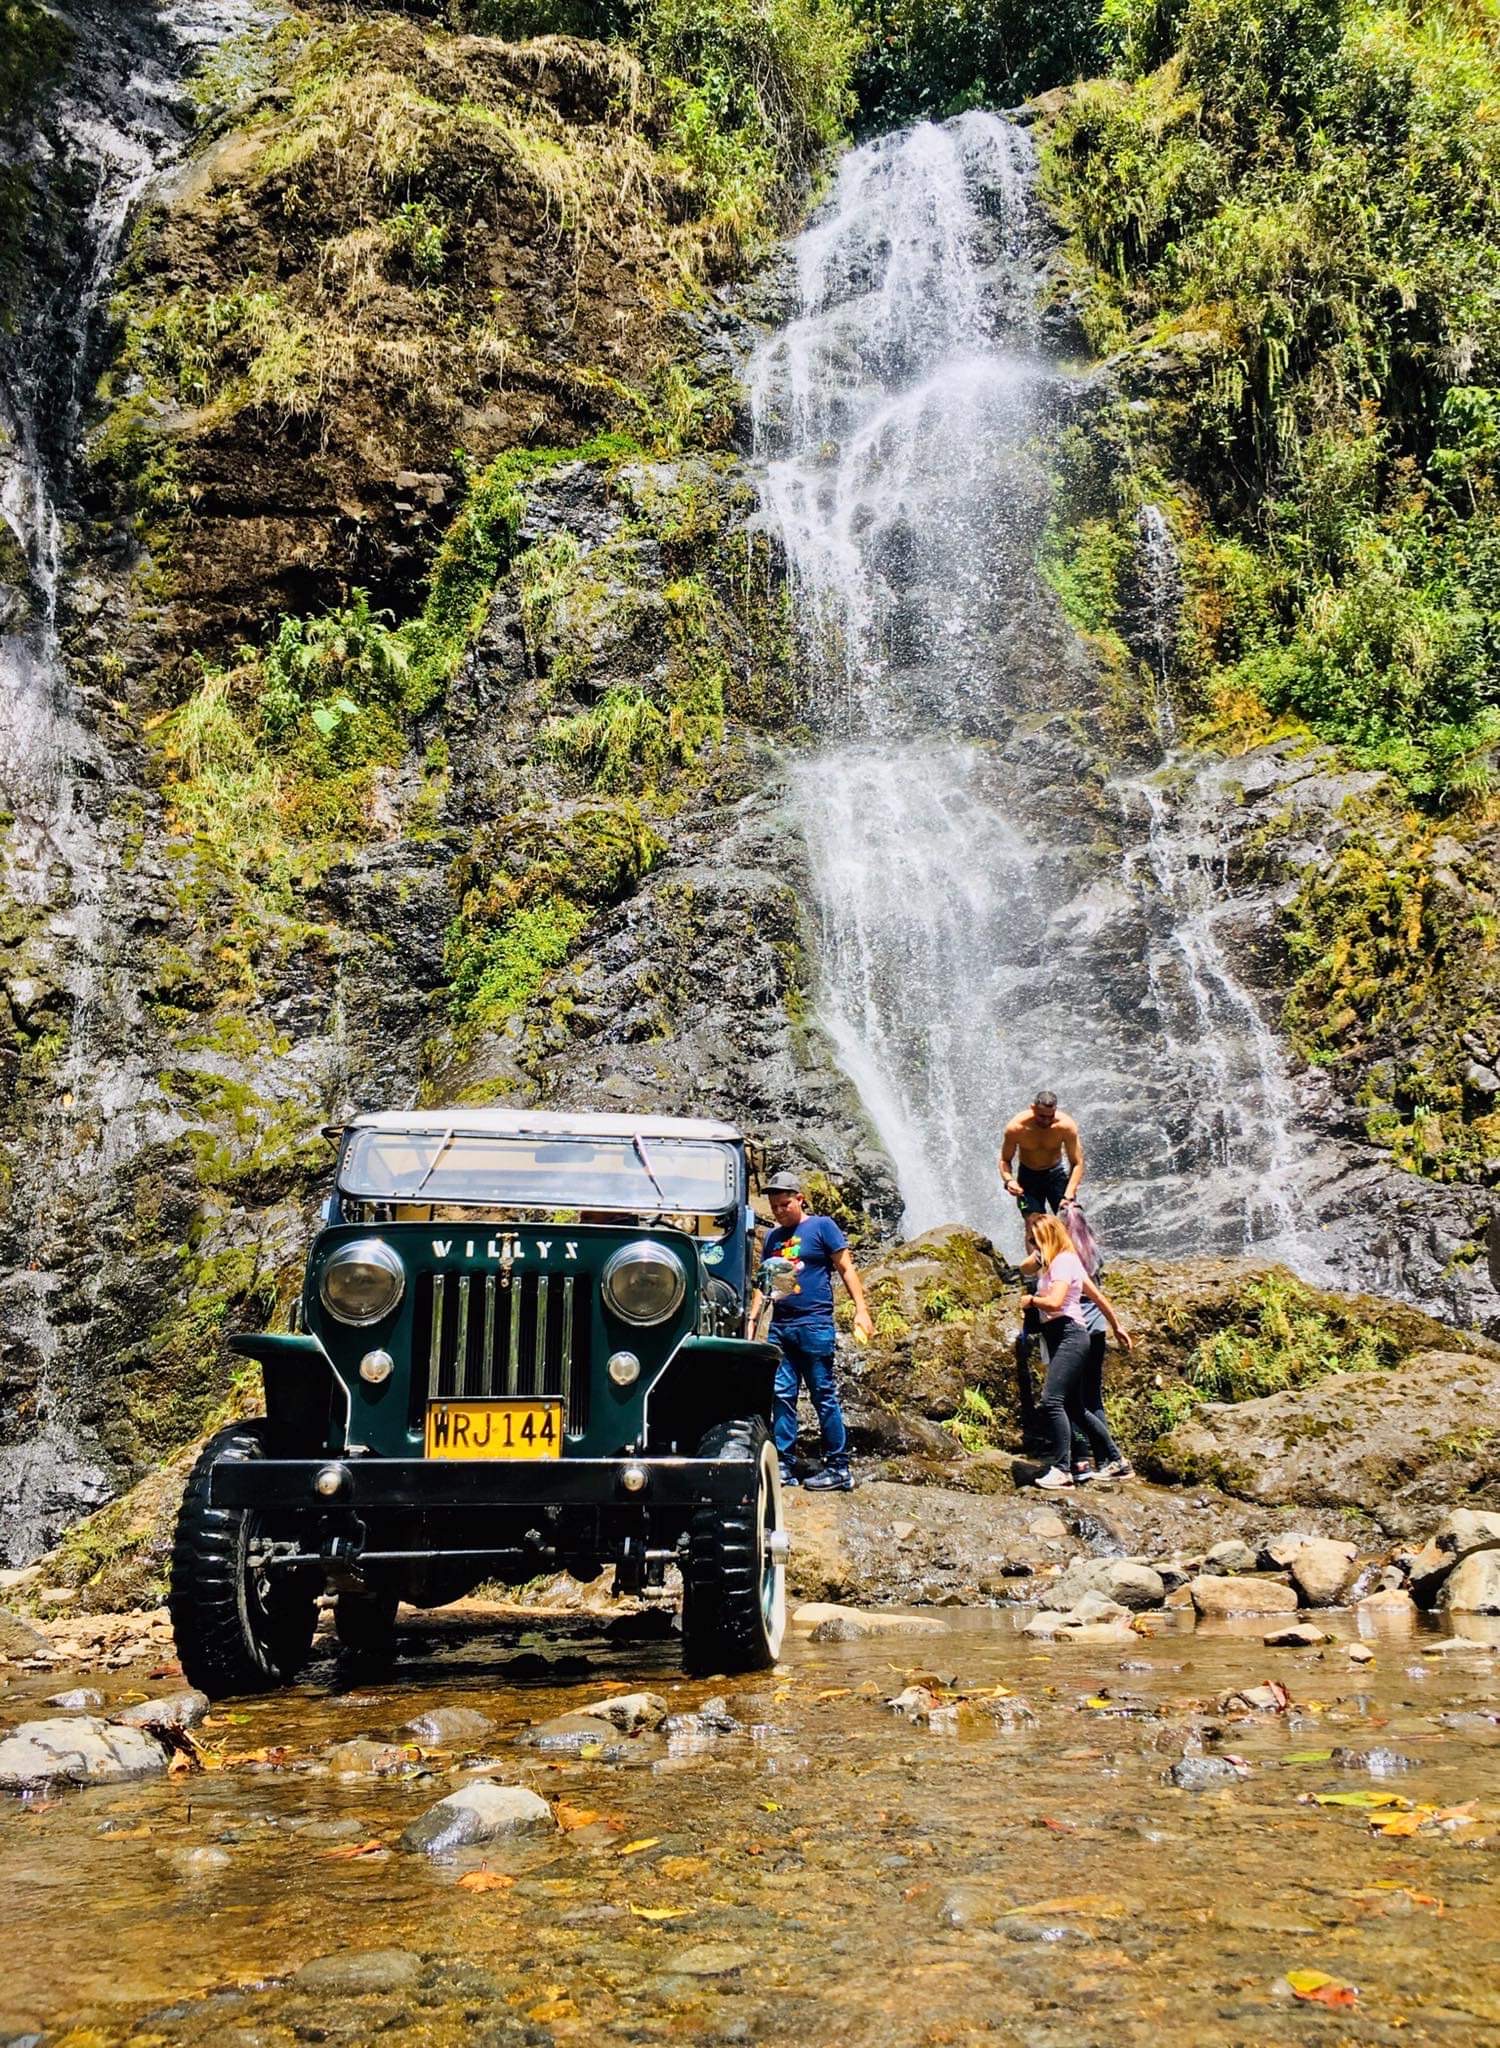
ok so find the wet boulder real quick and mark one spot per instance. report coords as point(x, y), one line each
point(856, 1622)
point(449, 1727)
point(1390, 1608)
point(363, 1757)
point(481, 1812)
point(1320, 1570)
point(20, 1638)
point(356, 1972)
point(1203, 1773)
point(629, 1712)
point(1474, 1584)
point(574, 1735)
point(1222, 1599)
point(77, 1750)
point(1232, 1556)
point(177, 1711)
point(1468, 1529)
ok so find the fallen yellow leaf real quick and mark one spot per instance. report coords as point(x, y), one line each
point(569, 1816)
point(635, 1848)
point(660, 1912)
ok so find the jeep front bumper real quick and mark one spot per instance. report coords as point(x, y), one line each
point(372, 1484)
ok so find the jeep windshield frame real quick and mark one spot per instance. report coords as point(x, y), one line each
point(387, 1176)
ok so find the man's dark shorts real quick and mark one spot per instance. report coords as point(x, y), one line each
point(1042, 1187)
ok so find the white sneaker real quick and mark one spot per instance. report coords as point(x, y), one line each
point(1118, 1468)
point(1055, 1481)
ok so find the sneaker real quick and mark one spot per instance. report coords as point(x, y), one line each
point(1055, 1481)
point(789, 1478)
point(832, 1479)
point(1085, 1475)
point(1117, 1468)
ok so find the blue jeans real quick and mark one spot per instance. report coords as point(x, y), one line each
point(807, 1357)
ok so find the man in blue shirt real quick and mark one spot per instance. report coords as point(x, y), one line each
point(802, 1328)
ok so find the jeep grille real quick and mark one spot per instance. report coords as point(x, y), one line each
point(475, 1335)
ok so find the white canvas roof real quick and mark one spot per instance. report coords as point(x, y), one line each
point(538, 1123)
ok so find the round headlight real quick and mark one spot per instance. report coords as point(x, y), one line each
point(644, 1283)
point(363, 1282)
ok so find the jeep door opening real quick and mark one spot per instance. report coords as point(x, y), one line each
point(517, 1350)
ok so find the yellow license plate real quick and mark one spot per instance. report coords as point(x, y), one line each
point(494, 1429)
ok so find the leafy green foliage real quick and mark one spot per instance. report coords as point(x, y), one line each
point(754, 90)
point(927, 59)
point(1289, 1343)
point(1291, 227)
point(495, 970)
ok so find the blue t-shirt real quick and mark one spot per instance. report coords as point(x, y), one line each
point(813, 1244)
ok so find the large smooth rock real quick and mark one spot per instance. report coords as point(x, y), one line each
point(1320, 1570)
point(81, 1750)
point(1219, 1599)
point(1385, 1442)
point(363, 1757)
point(479, 1813)
point(1473, 1587)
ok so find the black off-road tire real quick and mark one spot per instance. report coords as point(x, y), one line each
point(734, 1577)
point(365, 1623)
point(235, 1633)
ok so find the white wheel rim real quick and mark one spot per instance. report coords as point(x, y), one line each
point(768, 1522)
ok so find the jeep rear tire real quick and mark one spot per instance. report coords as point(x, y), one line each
point(238, 1627)
point(734, 1576)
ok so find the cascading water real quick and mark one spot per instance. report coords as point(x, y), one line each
point(974, 946)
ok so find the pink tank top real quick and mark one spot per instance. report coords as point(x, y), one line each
point(1068, 1266)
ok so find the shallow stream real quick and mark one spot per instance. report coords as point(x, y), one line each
point(827, 1872)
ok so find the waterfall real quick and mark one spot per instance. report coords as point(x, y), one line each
point(989, 919)
point(1158, 601)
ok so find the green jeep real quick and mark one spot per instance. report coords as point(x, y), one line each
point(519, 1349)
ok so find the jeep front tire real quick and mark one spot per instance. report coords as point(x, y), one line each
point(239, 1628)
point(734, 1575)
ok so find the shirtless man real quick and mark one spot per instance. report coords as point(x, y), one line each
point(1050, 1162)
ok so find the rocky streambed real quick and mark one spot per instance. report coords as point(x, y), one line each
point(1109, 1809)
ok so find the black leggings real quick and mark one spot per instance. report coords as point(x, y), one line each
point(1074, 1393)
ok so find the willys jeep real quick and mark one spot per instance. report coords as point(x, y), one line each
point(518, 1349)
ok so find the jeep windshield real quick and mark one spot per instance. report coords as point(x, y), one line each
point(419, 1176)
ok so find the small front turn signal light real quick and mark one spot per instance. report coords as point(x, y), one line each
point(624, 1368)
point(376, 1367)
point(633, 1478)
point(328, 1481)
